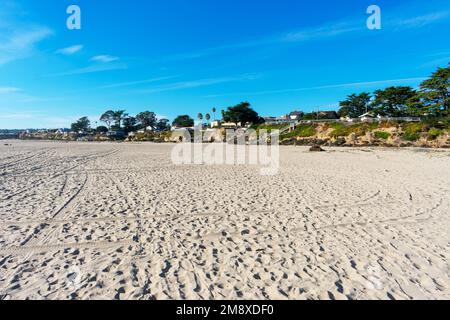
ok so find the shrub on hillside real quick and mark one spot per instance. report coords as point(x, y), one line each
point(447, 122)
point(408, 136)
point(387, 124)
point(434, 133)
point(303, 131)
point(144, 136)
point(382, 135)
point(413, 128)
point(438, 123)
point(269, 128)
point(360, 129)
point(336, 125)
point(306, 131)
point(341, 130)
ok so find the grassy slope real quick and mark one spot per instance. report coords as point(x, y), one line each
point(409, 132)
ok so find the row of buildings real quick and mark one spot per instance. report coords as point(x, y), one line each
point(297, 116)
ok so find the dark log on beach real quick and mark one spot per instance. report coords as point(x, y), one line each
point(316, 148)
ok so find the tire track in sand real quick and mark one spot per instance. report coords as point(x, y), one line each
point(55, 175)
point(64, 211)
point(28, 250)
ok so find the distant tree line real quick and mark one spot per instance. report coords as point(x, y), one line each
point(431, 100)
point(120, 120)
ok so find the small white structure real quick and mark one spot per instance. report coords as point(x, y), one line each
point(296, 115)
point(347, 119)
point(367, 117)
point(229, 125)
point(148, 129)
point(216, 124)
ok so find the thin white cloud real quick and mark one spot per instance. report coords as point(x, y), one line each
point(8, 90)
point(14, 114)
point(70, 50)
point(40, 119)
point(17, 116)
point(20, 43)
point(104, 58)
point(93, 69)
point(320, 32)
point(131, 83)
point(332, 86)
point(33, 99)
point(421, 21)
point(199, 83)
point(325, 31)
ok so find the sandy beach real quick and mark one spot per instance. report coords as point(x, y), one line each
point(120, 221)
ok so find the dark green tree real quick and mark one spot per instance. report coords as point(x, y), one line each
point(101, 129)
point(108, 118)
point(435, 93)
point(183, 121)
point(393, 101)
point(355, 105)
point(130, 124)
point(146, 119)
point(242, 113)
point(119, 116)
point(82, 124)
point(415, 106)
point(163, 125)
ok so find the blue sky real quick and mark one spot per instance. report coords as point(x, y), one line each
point(183, 57)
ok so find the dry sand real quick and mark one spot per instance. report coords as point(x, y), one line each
point(104, 221)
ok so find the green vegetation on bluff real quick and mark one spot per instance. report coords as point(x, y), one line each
point(303, 131)
point(387, 132)
point(382, 135)
point(342, 130)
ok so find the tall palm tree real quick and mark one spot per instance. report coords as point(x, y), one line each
point(214, 110)
point(200, 119)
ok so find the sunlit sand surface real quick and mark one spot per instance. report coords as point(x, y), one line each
point(105, 221)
